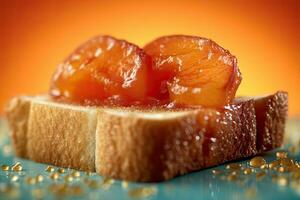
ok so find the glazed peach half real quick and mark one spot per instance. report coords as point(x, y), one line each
point(184, 70)
point(193, 70)
point(103, 69)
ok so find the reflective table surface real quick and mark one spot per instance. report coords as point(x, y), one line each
point(214, 183)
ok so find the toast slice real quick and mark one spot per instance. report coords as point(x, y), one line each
point(144, 145)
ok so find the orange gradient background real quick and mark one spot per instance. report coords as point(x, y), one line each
point(263, 34)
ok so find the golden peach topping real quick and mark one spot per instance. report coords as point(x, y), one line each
point(103, 69)
point(185, 70)
point(194, 70)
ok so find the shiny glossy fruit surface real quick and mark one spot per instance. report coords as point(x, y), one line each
point(193, 71)
point(103, 70)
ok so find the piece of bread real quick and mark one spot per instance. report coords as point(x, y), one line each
point(144, 145)
point(270, 122)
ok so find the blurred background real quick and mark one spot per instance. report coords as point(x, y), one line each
point(263, 34)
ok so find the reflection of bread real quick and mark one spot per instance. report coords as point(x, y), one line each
point(144, 145)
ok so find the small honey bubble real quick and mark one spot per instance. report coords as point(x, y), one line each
point(281, 169)
point(247, 171)
point(14, 178)
point(216, 171)
point(142, 192)
point(265, 166)
point(30, 180)
point(282, 181)
point(274, 164)
point(39, 178)
point(281, 154)
point(68, 178)
point(88, 173)
point(233, 166)
point(49, 169)
point(5, 168)
point(286, 162)
point(231, 177)
point(257, 162)
point(124, 184)
point(17, 167)
point(92, 184)
point(234, 172)
point(61, 170)
point(54, 176)
point(107, 182)
point(75, 174)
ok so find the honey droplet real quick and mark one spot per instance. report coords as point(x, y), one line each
point(39, 178)
point(281, 169)
point(142, 192)
point(14, 178)
point(247, 171)
point(286, 162)
point(61, 170)
point(49, 169)
point(68, 178)
point(257, 161)
point(30, 180)
point(282, 181)
point(281, 154)
point(75, 174)
point(233, 166)
point(274, 164)
point(234, 172)
point(216, 171)
point(17, 167)
point(231, 177)
point(265, 166)
point(124, 184)
point(107, 182)
point(92, 183)
point(88, 173)
point(54, 176)
point(5, 167)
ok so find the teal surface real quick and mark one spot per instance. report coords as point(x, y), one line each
point(198, 185)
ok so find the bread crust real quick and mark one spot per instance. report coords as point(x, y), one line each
point(17, 114)
point(140, 145)
point(271, 113)
point(142, 149)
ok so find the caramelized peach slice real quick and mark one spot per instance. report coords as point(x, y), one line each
point(103, 69)
point(194, 70)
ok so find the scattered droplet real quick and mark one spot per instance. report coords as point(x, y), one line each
point(257, 161)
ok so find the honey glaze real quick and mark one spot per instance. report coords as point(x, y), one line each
point(170, 72)
point(103, 69)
